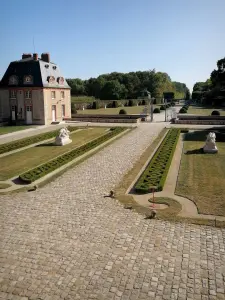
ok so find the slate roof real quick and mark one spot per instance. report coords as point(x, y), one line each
point(38, 69)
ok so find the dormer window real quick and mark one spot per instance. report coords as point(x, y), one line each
point(54, 67)
point(51, 79)
point(28, 79)
point(60, 80)
point(13, 80)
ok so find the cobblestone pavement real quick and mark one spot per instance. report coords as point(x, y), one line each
point(66, 241)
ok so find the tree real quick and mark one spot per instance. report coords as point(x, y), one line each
point(188, 95)
point(112, 90)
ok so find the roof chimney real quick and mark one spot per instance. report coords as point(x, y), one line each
point(35, 56)
point(26, 55)
point(45, 57)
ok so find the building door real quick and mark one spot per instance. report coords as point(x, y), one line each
point(13, 113)
point(53, 113)
point(28, 114)
point(63, 110)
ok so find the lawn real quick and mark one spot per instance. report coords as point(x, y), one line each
point(9, 129)
point(202, 176)
point(113, 111)
point(19, 162)
point(205, 111)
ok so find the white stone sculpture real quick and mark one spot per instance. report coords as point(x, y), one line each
point(210, 144)
point(63, 138)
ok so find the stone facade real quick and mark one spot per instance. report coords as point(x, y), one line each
point(33, 91)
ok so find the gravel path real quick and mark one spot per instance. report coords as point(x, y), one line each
point(66, 241)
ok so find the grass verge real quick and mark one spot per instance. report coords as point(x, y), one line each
point(24, 160)
point(202, 176)
point(7, 147)
point(46, 168)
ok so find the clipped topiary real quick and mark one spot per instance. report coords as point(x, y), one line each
point(215, 113)
point(115, 104)
point(172, 103)
point(162, 107)
point(130, 102)
point(156, 110)
point(122, 112)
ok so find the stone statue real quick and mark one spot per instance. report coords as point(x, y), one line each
point(210, 144)
point(63, 138)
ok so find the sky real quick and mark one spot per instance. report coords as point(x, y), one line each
point(86, 38)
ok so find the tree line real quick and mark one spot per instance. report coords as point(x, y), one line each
point(117, 86)
point(212, 91)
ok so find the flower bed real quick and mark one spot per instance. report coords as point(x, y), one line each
point(31, 140)
point(156, 172)
point(46, 168)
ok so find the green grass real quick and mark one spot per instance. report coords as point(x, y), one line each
point(205, 111)
point(22, 161)
point(113, 111)
point(202, 176)
point(9, 129)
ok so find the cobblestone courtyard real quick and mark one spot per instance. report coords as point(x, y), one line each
point(66, 241)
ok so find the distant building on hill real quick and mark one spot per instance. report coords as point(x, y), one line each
point(33, 91)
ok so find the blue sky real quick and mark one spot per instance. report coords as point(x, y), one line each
point(184, 38)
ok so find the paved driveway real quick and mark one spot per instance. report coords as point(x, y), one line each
point(66, 241)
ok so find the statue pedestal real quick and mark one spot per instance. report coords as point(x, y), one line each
point(61, 141)
point(210, 148)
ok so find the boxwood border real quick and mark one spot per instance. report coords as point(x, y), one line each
point(156, 172)
point(48, 167)
point(11, 146)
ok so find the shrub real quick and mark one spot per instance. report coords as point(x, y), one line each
point(122, 112)
point(130, 102)
point(73, 109)
point(143, 102)
point(46, 168)
point(182, 111)
point(156, 110)
point(109, 105)
point(95, 105)
point(162, 107)
point(215, 113)
point(156, 172)
point(31, 140)
point(115, 104)
point(172, 103)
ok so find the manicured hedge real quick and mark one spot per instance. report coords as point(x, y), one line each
point(46, 168)
point(215, 113)
point(155, 174)
point(31, 140)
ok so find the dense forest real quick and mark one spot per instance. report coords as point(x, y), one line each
point(116, 86)
point(212, 91)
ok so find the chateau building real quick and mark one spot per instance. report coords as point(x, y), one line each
point(33, 91)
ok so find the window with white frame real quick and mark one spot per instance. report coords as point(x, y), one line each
point(53, 94)
point(28, 94)
point(63, 110)
point(62, 94)
point(12, 94)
